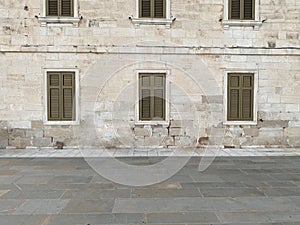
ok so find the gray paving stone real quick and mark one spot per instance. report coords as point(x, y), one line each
point(143, 205)
point(259, 217)
point(41, 206)
point(164, 193)
point(93, 219)
point(212, 185)
point(34, 179)
point(70, 179)
point(21, 219)
point(82, 206)
point(284, 191)
point(96, 193)
point(182, 217)
point(230, 192)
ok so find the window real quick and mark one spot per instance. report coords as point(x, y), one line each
point(152, 12)
point(61, 96)
point(152, 96)
point(241, 9)
point(240, 95)
point(241, 13)
point(152, 8)
point(59, 12)
point(59, 8)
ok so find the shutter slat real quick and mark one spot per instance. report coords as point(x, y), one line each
point(145, 8)
point(66, 8)
point(159, 8)
point(234, 104)
point(234, 81)
point(52, 8)
point(246, 104)
point(54, 103)
point(67, 103)
point(247, 81)
point(159, 104)
point(248, 9)
point(145, 104)
point(68, 79)
point(235, 9)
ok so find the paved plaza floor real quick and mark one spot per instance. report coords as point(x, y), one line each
point(240, 190)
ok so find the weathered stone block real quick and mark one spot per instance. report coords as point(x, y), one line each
point(3, 138)
point(292, 132)
point(153, 141)
point(36, 124)
point(19, 142)
point(42, 142)
point(272, 123)
point(143, 131)
point(185, 142)
point(168, 141)
point(13, 133)
point(38, 133)
point(159, 131)
point(176, 131)
point(253, 132)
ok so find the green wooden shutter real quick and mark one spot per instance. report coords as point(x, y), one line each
point(159, 97)
point(234, 9)
point(68, 93)
point(152, 102)
point(159, 8)
point(247, 97)
point(145, 8)
point(52, 7)
point(233, 97)
point(66, 8)
point(240, 97)
point(145, 97)
point(248, 9)
point(61, 96)
point(53, 96)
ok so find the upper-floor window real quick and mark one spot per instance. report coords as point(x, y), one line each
point(241, 13)
point(59, 7)
point(59, 12)
point(152, 12)
point(241, 9)
point(152, 8)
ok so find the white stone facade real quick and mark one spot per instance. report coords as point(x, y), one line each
point(196, 47)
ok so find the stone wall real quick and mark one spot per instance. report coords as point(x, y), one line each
point(108, 50)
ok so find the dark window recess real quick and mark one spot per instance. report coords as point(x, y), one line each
point(152, 88)
point(152, 8)
point(240, 97)
point(59, 7)
point(61, 96)
point(241, 9)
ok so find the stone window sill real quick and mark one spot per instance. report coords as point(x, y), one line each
point(162, 123)
point(152, 21)
point(58, 20)
point(240, 123)
point(61, 123)
point(242, 23)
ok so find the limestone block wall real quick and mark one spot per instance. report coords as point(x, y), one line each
point(108, 49)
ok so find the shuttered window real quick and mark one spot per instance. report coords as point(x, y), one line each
point(240, 97)
point(59, 7)
point(152, 8)
point(61, 96)
point(152, 88)
point(241, 9)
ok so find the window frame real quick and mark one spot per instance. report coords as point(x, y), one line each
point(255, 22)
point(167, 21)
point(54, 20)
point(164, 122)
point(77, 107)
point(225, 98)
